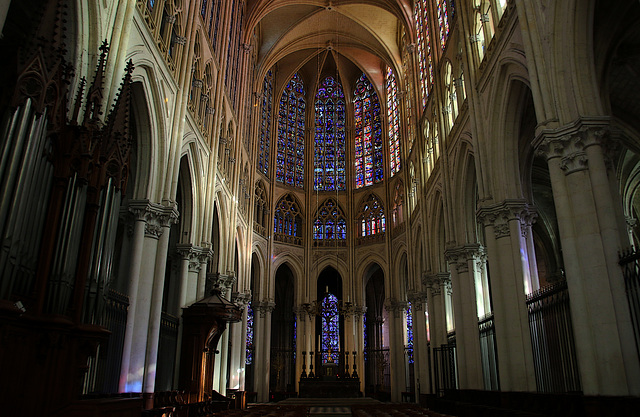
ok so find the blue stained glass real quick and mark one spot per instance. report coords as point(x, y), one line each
point(291, 126)
point(249, 345)
point(368, 134)
point(330, 329)
point(409, 333)
point(265, 126)
point(424, 49)
point(329, 154)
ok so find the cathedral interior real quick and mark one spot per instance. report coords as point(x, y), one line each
point(247, 201)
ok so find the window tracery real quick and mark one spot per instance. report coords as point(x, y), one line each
point(330, 224)
point(264, 146)
point(424, 49)
point(397, 215)
point(330, 328)
point(371, 217)
point(393, 122)
point(288, 221)
point(329, 154)
point(443, 20)
point(368, 134)
point(261, 209)
point(291, 124)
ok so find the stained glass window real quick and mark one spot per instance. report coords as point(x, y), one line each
point(330, 222)
point(329, 155)
point(409, 333)
point(330, 328)
point(371, 216)
point(424, 49)
point(393, 121)
point(443, 19)
point(249, 346)
point(288, 220)
point(214, 21)
point(265, 125)
point(398, 203)
point(368, 134)
point(203, 9)
point(290, 158)
point(150, 4)
point(407, 66)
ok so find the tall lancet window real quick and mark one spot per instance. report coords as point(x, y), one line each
point(249, 345)
point(409, 324)
point(330, 328)
point(424, 49)
point(265, 124)
point(329, 155)
point(290, 166)
point(393, 122)
point(443, 19)
point(368, 134)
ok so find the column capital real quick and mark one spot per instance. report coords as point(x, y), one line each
point(242, 299)
point(222, 281)
point(499, 215)
point(265, 306)
point(569, 143)
point(394, 306)
point(417, 299)
point(459, 256)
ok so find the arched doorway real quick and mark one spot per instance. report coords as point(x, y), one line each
point(283, 336)
point(377, 373)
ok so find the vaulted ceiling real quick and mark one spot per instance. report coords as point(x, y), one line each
point(319, 36)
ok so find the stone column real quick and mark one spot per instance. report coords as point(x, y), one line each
point(263, 348)
point(437, 310)
point(395, 310)
point(204, 257)
point(138, 319)
point(507, 253)
point(224, 283)
point(590, 240)
point(137, 243)
point(359, 312)
point(420, 341)
point(238, 342)
point(167, 216)
point(464, 274)
point(189, 267)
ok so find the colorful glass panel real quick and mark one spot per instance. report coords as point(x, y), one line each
point(372, 217)
point(443, 19)
point(265, 125)
point(409, 333)
point(393, 121)
point(249, 346)
point(424, 49)
point(329, 153)
point(330, 222)
point(290, 157)
point(368, 134)
point(330, 329)
point(203, 9)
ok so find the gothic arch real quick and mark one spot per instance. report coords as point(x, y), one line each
point(509, 160)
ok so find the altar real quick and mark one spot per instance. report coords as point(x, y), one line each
point(329, 383)
point(329, 388)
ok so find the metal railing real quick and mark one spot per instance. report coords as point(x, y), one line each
point(554, 352)
point(445, 369)
point(630, 263)
point(487, 329)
